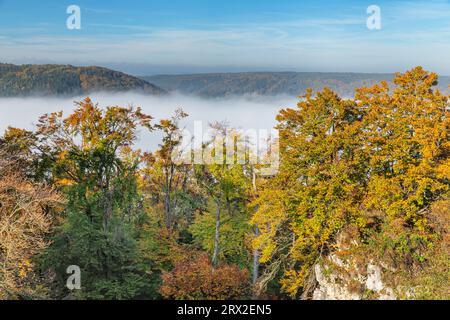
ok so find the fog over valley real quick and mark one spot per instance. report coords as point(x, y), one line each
point(245, 112)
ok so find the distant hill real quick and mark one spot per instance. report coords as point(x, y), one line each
point(270, 83)
point(67, 80)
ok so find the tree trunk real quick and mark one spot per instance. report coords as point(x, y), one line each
point(216, 237)
point(255, 266)
point(167, 209)
point(255, 250)
point(255, 260)
point(310, 285)
point(108, 209)
point(167, 203)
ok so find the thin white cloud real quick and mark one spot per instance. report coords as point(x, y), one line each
point(341, 43)
point(418, 10)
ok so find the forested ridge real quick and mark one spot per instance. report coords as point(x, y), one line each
point(372, 171)
point(217, 85)
point(67, 80)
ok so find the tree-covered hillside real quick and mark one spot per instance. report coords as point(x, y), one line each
point(363, 184)
point(271, 83)
point(27, 80)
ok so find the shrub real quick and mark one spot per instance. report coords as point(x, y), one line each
point(196, 279)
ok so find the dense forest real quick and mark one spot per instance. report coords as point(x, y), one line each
point(67, 80)
point(363, 178)
point(217, 85)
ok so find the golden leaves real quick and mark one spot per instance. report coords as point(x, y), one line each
point(386, 150)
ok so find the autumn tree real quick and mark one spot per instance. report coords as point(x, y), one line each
point(406, 138)
point(376, 162)
point(225, 180)
point(168, 180)
point(96, 169)
point(315, 191)
point(28, 212)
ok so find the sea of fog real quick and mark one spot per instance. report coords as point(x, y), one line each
point(252, 112)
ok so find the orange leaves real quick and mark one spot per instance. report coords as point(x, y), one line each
point(64, 182)
point(113, 127)
point(416, 81)
point(194, 278)
point(385, 151)
point(92, 143)
point(27, 214)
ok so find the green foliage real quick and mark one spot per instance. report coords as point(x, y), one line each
point(234, 236)
point(366, 178)
point(97, 172)
point(109, 260)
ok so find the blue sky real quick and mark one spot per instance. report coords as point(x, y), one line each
point(178, 36)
